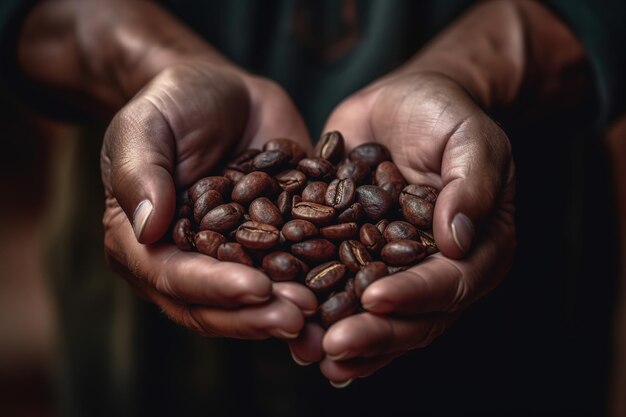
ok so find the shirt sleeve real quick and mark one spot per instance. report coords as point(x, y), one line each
point(601, 27)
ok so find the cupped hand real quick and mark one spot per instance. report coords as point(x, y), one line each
point(439, 137)
point(177, 129)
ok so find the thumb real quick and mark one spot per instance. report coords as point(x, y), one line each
point(475, 167)
point(138, 161)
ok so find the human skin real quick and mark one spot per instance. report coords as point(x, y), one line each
point(432, 114)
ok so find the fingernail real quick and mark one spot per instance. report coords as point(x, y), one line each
point(140, 217)
point(309, 313)
point(378, 307)
point(338, 357)
point(254, 299)
point(280, 333)
point(340, 384)
point(298, 360)
point(462, 232)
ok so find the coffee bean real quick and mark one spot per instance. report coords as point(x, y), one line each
point(354, 255)
point(262, 210)
point(255, 184)
point(375, 201)
point(403, 252)
point(232, 174)
point(400, 230)
point(382, 225)
point(220, 184)
point(313, 212)
point(371, 238)
point(424, 192)
point(417, 211)
point(270, 161)
point(349, 287)
point(222, 218)
point(368, 274)
point(357, 171)
point(233, 252)
point(315, 168)
point(243, 161)
point(389, 178)
point(337, 307)
point(324, 277)
point(315, 250)
point(428, 241)
point(205, 203)
point(183, 234)
point(330, 146)
point(282, 266)
point(283, 203)
point(291, 180)
point(341, 231)
point(255, 235)
point(354, 213)
point(184, 211)
point(340, 194)
point(370, 153)
point(298, 230)
point(291, 148)
point(208, 241)
point(315, 192)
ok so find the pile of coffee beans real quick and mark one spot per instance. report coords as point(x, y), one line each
point(335, 224)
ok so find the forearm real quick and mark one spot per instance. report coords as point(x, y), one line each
point(502, 48)
point(99, 53)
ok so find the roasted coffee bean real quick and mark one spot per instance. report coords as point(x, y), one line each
point(184, 211)
point(315, 168)
point(270, 161)
point(428, 241)
point(354, 213)
point(182, 198)
point(291, 180)
point(205, 203)
point(341, 231)
point(396, 269)
point(233, 252)
point(403, 252)
point(253, 185)
point(330, 146)
point(349, 287)
point(424, 192)
point(220, 184)
point(222, 218)
point(291, 148)
point(255, 235)
point(243, 161)
point(371, 238)
point(233, 175)
point(340, 194)
point(337, 307)
point(262, 210)
point(357, 171)
point(371, 153)
point(400, 230)
point(207, 242)
point(298, 230)
point(313, 212)
point(315, 192)
point(368, 274)
point(382, 225)
point(282, 266)
point(417, 211)
point(183, 234)
point(324, 277)
point(283, 202)
point(354, 255)
point(375, 201)
point(389, 178)
point(315, 250)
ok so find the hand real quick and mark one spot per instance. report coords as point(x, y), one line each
point(437, 136)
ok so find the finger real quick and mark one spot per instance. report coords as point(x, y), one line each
point(307, 348)
point(275, 318)
point(341, 373)
point(348, 118)
point(297, 294)
point(476, 166)
point(184, 276)
point(369, 335)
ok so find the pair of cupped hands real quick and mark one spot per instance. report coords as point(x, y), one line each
point(192, 116)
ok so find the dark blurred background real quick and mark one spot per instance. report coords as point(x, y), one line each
point(75, 341)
